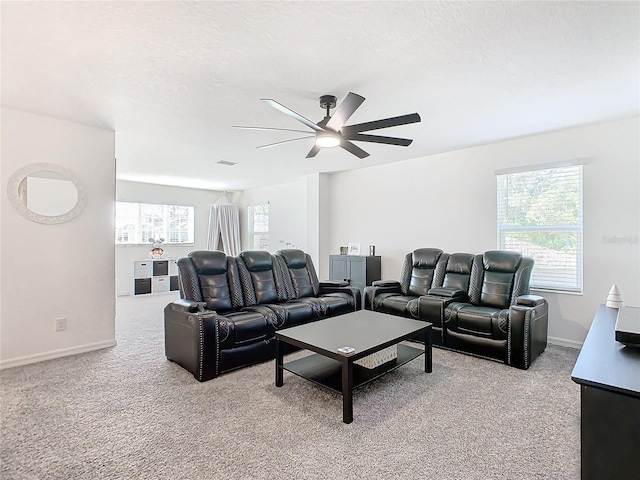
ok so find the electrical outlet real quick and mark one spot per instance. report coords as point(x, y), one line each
point(61, 324)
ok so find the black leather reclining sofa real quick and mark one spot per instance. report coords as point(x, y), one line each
point(231, 307)
point(478, 304)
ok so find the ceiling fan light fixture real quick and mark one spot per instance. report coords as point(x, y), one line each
point(327, 139)
point(332, 130)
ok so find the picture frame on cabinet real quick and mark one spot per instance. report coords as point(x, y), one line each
point(354, 249)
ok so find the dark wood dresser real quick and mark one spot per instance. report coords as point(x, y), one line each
point(609, 377)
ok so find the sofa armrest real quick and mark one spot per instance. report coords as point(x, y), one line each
point(191, 338)
point(431, 308)
point(528, 327)
point(328, 287)
point(530, 300)
point(378, 287)
point(334, 283)
point(187, 306)
point(386, 283)
point(448, 292)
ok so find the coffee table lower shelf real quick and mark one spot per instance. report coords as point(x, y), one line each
point(327, 372)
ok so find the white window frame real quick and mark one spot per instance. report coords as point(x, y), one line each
point(256, 229)
point(553, 270)
point(140, 232)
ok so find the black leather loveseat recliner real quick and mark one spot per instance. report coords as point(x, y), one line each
point(419, 270)
point(231, 307)
point(478, 304)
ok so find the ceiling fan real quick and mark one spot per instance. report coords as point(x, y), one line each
point(331, 131)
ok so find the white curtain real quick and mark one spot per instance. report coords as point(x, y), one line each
point(224, 227)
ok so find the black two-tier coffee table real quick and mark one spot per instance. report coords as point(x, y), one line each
point(367, 332)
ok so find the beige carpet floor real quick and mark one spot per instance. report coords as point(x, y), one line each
point(126, 412)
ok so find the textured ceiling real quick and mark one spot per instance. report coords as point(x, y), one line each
point(171, 78)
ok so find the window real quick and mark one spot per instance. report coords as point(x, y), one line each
point(259, 227)
point(136, 223)
point(540, 215)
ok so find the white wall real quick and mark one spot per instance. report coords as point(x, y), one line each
point(324, 228)
point(313, 216)
point(287, 213)
point(318, 220)
point(63, 270)
point(448, 201)
point(201, 200)
point(299, 214)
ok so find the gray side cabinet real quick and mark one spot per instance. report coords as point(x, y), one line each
point(359, 271)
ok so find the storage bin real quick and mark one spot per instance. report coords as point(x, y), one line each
point(142, 286)
point(142, 269)
point(160, 284)
point(160, 267)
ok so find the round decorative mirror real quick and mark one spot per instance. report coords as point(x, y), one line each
point(46, 193)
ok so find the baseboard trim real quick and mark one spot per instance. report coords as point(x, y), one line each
point(563, 342)
point(64, 352)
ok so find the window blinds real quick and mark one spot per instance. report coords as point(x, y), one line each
point(540, 216)
point(259, 227)
point(137, 223)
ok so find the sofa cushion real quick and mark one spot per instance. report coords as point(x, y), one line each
point(423, 266)
point(301, 282)
point(496, 289)
point(292, 313)
point(209, 262)
point(499, 273)
point(394, 304)
point(501, 261)
point(211, 269)
point(458, 271)
point(299, 276)
point(257, 261)
point(421, 281)
point(294, 258)
point(215, 292)
point(243, 327)
point(264, 286)
point(258, 277)
point(477, 321)
point(337, 303)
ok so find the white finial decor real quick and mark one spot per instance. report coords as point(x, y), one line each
point(614, 299)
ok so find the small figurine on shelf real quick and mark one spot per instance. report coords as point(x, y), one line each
point(157, 251)
point(614, 299)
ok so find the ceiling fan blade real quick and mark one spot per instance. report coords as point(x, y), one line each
point(378, 124)
point(359, 137)
point(344, 111)
point(352, 148)
point(313, 152)
point(284, 141)
point(269, 128)
point(292, 114)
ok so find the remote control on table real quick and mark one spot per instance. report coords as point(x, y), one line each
point(346, 349)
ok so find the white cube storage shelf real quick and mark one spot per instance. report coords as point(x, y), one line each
point(157, 275)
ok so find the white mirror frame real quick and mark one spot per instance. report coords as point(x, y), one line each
point(24, 172)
